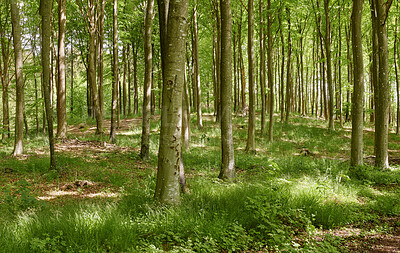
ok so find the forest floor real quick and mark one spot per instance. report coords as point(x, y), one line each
point(91, 170)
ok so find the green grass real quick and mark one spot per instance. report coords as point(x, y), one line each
point(278, 201)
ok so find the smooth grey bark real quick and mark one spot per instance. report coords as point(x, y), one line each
point(61, 89)
point(19, 112)
point(289, 81)
point(327, 41)
point(382, 96)
point(262, 69)
point(100, 55)
point(170, 147)
point(196, 67)
point(45, 12)
point(228, 157)
point(270, 68)
point(114, 102)
point(358, 90)
point(148, 80)
point(124, 93)
point(250, 146)
point(4, 67)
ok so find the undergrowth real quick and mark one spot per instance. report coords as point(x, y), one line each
point(278, 202)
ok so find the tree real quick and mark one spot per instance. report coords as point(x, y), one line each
point(19, 117)
point(228, 159)
point(358, 90)
point(252, 112)
point(148, 79)
point(327, 40)
point(382, 97)
point(91, 15)
point(115, 73)
point(196, 66)
point(61, 96)
point(5, 42)
point(270, 74)
point(45, 11)
point(169, 155)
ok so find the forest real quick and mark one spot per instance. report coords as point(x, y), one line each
point(200, 126)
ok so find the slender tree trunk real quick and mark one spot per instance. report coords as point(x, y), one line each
point(382, 90)
point(61, 89)
point(100, 50)
point(185, 116)
point(262, 69)
point(114, 102)
point(228, 159)
point(282, 86)
point(5, 52)
point(129, 80)
point(145, 146)
point(329, 65)
point(289, 73)
point(124, 99)
point(19, 117)
point(72, 79)
point(45, 12)
point(196, 66)
point(170, 148)
point(135, 81)
point(270, 74)
point(252, 113)
point(358, 90)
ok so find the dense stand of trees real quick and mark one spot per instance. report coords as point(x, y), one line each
point(303, 57)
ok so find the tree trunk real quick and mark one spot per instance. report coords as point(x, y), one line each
point(382, 97)
point(358, 90)
point(19, 113)
point(145, 144)
point(289, 73)
point(61, 89)
point(124, 99)
point(114, 102)
point(92, 66)
point(270, 75)
point(196, 67)
point(228, 159)
point(45, 12)
point(72, 79)
point(129, 80)
point(135, 81)
point(252, 113)
point(329, 65)
point(262, 69)
point(5, 53)
point(100, 50)
point(282, 86)
point(170, 148)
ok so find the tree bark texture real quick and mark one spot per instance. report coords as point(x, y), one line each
point(45, 12)
point(145, 144)
point(61, 89)
point(382, 101)
point(358, 90)
point(252, 112)
point(170, 147)
point(114, 102)
point(228, 158)
point(19, 112)
point(327, 41)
